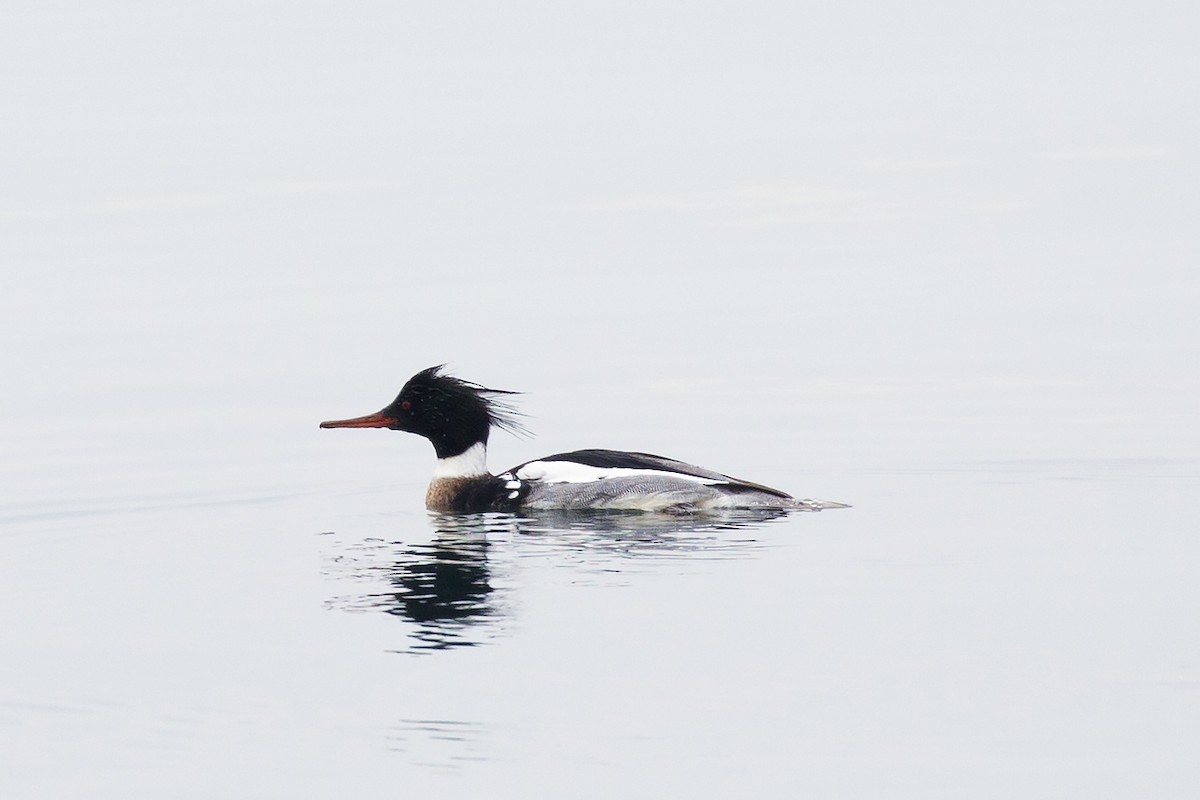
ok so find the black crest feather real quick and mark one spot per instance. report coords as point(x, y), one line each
point(500, 412)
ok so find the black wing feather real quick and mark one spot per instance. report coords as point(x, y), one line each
point(621, 459)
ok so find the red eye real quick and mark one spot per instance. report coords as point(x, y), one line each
point(405, 405)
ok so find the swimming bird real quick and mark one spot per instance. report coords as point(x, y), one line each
point(456, 416)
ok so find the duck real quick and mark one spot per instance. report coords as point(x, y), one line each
point(457, 417)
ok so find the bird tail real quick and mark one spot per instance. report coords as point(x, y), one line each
point(816, 505)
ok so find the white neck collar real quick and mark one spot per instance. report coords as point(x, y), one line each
point(467, 464)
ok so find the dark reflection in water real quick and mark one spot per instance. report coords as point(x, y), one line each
point(453, 588)
point(443, 586)
point(450, 583)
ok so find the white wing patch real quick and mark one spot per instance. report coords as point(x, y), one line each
point(574, 472)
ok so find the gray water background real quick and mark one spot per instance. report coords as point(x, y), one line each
point(938, 262)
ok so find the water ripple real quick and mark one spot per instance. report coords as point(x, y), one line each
point(455, 590)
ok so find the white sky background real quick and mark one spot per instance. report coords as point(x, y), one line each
point(218, 209)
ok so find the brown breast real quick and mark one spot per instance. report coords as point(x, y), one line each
point(442, 493)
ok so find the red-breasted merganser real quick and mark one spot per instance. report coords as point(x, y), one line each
point(457, 416)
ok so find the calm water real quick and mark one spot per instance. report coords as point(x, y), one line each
point(938, 265)
point(986, 628)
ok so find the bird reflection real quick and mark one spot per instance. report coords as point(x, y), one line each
point(668, 526)
point(448, 587)
point(444, 587)
point(617, 541)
